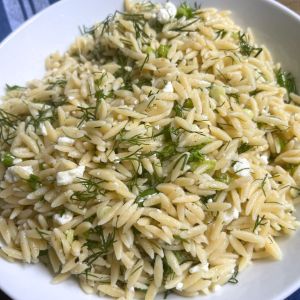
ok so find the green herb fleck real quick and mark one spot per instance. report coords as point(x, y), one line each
point(7, 159)
point(245, 48)
point(184, 10)
point(163, 51)
point(286, 80)
point(244, 147)
point(258, 222)
point(34, 182)
point(233, 278)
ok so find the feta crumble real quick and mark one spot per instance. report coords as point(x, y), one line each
point(179, 286)
point(242, 167)
point(168, 88)
point(231, 215)
point(166, 13)
point(12, 173)
point(264, 158)
point(67, 177)
point(64, 218)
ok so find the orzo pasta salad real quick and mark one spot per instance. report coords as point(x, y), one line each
point(159, 154)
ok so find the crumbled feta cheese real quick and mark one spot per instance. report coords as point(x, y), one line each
point(131, 289)
point(204, 117)
point(128, 68)
point(216, 287)
point(179, 286)
point(11, 174)
point(264, 158)
point(64, 218)
point(210, 200)
point(231, 215)
point(171, 9)
point(166, 13)
point(168, 88)
point(157, 127)
point(198, 268)
point(43, 129)
point(163, 16)
point(67, 177)
point(64, 140)
point(242, 167)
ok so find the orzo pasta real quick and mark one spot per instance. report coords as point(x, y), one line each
point(159, 154)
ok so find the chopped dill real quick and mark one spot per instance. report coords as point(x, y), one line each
point(100, 247)
point(255, 92)
point(244, 147)
point(259, 222)
point(92, 190)
point(286, 80)
point(233, 278)
point(183, 28)
point(9, 88)
point(8, 126)
point(168, 271)
point(220, 34)
point(245, 48)
point(138, 139)
point(59, 82)
point(145, 61)
point(45, 114)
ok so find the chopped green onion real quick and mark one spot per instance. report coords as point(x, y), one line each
point(184, 10)
point(163, 51)
point(34, 182)
point(7, 159)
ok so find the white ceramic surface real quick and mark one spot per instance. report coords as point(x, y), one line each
point(22, 57)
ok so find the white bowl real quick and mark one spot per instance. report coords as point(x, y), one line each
point(22, 57)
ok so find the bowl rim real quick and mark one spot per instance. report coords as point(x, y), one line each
point(291, 288)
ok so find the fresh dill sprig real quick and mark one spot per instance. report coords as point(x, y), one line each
point(100, 247)
point(233, 278)
point(286, 80)
point(8, 126)
point(179, 109)
point(168, 271)
point(138, 22)
point(138, 139)
point(245, 48)
point(183, 28)
point(45, 114)
point(258, 222)
point(9, 88)
point(92, 190)
point(220, 33)
point(244, 147)
point(59, 82)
